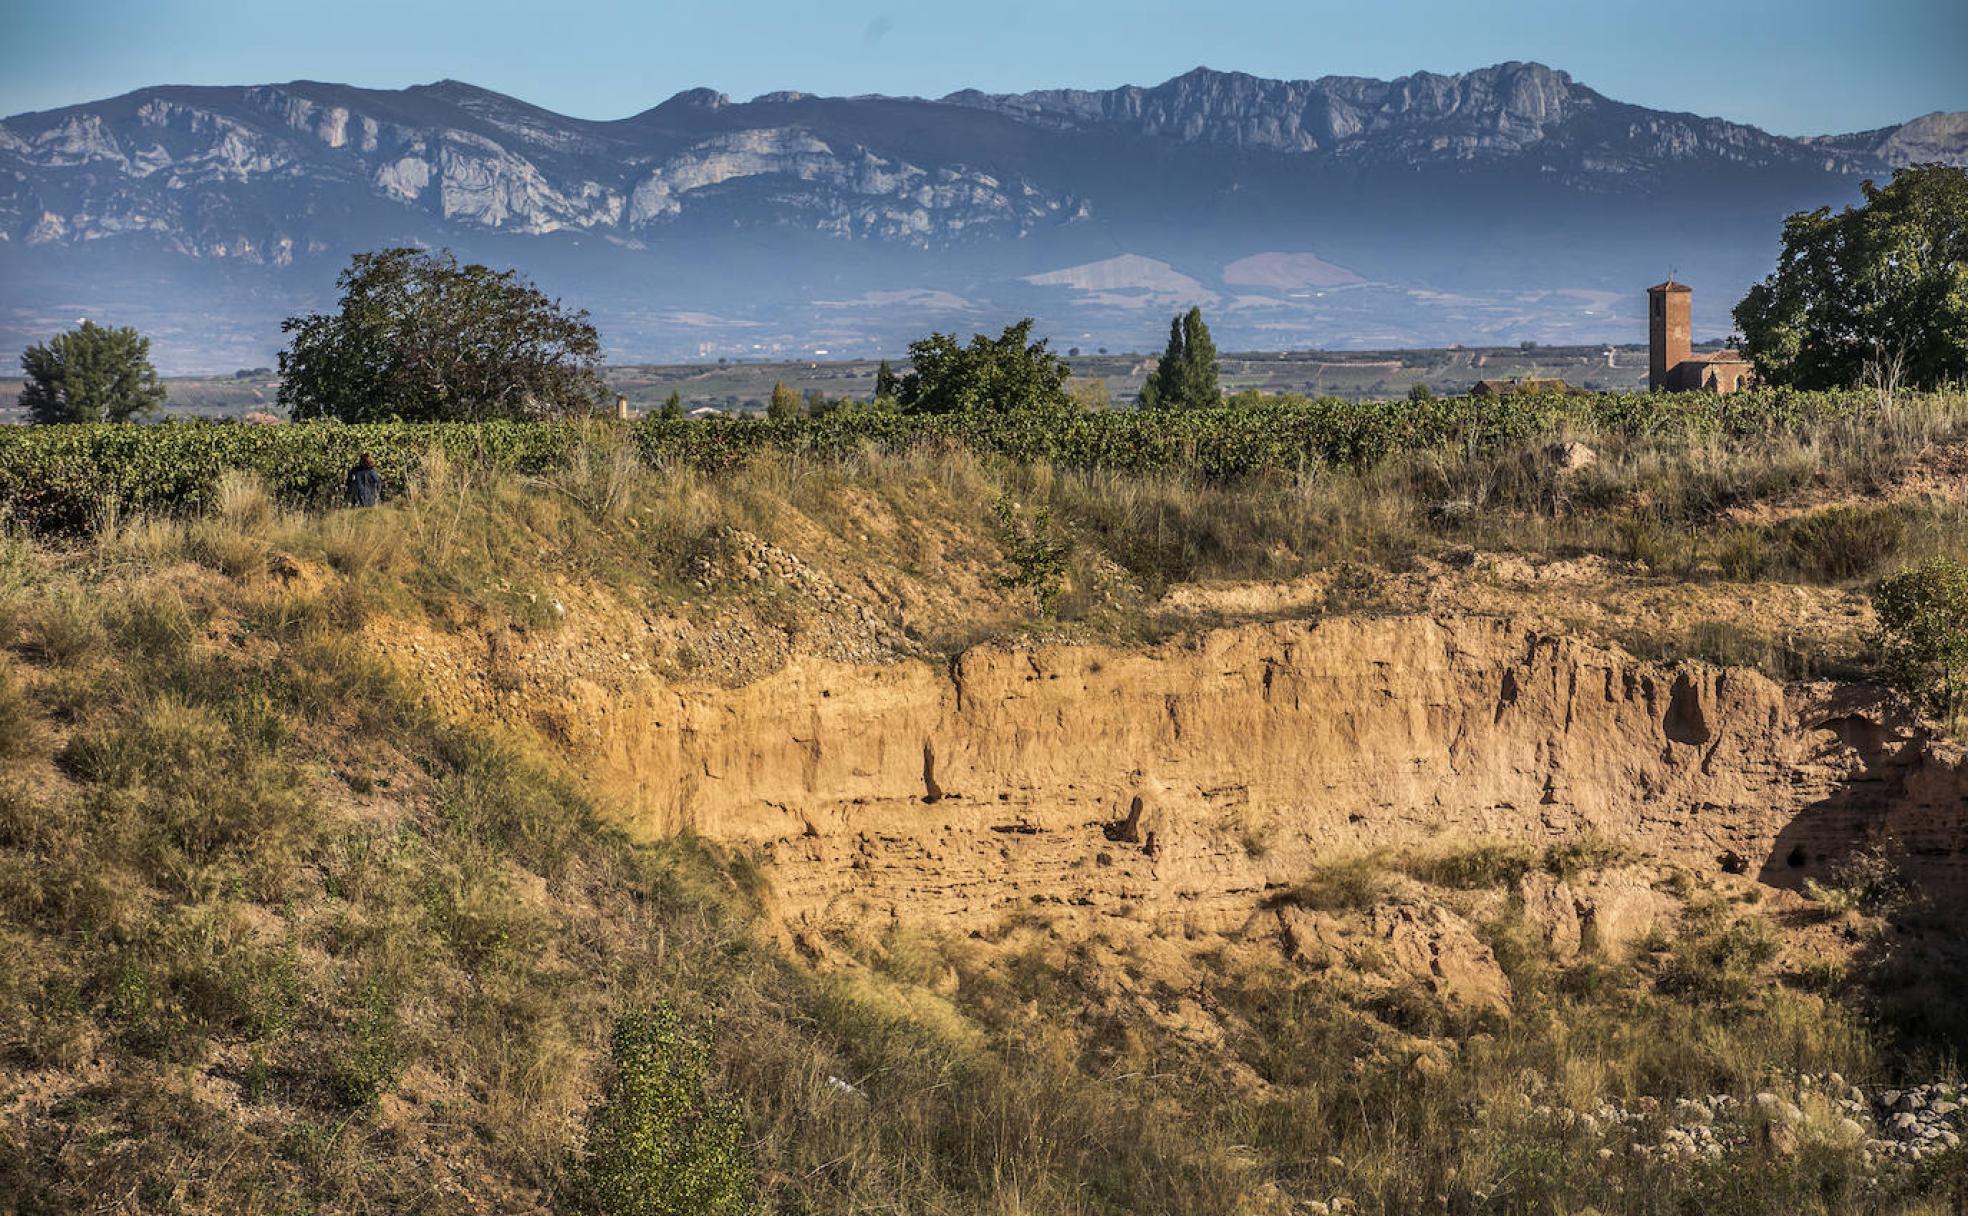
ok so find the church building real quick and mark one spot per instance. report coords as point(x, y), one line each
point(1672, 365)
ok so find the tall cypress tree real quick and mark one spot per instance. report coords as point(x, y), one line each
point(1187, 375)
point(1164, 387)
point(1199, 363)
point(785, 404)
point(885, 381)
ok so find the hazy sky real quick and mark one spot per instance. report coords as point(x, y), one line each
point(1803, 67)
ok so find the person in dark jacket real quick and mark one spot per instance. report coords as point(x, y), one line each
point(365, 484)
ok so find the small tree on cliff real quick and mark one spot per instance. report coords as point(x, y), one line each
point(1923, 635)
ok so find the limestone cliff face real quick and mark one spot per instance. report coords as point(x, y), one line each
point(1507, 111)
point(215, 171)
point(1939, 137)
point(1510, 189)
point(239, 168)
point(1180, 783)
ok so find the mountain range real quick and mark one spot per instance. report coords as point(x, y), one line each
point(1509, 203)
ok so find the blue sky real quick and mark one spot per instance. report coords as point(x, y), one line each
point(1804, 67)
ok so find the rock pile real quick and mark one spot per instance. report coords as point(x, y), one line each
point(1918, 1121)
point(848, 629)
point(1893, 1127)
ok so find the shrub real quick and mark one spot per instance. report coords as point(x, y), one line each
point(659, 1143)
point(1842, 543)
point(1866, 880)
point(1352, 885)
point(1473, 868)
point(1715, 958)
point(373, 1056)
point(1038, 557)
point(20, 725)
point(1923, 634)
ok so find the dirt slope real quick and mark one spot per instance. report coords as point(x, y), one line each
point(1173, 786)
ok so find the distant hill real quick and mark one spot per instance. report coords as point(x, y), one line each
point(1504, 204)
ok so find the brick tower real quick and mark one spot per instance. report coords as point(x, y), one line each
point(1669, 340)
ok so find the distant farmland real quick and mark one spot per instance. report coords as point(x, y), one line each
point(744, 387)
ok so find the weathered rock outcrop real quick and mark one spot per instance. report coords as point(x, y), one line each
point(1177, 785)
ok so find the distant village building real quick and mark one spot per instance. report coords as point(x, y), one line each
point(1672, 364)
point(1526, 385)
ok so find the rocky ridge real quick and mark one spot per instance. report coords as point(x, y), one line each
point(1498, 204)
point(153, 161)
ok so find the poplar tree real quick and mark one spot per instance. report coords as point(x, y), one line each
point(785, 404)
point(1186, 378)
point(1200, 367)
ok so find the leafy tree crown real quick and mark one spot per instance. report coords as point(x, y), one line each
point(1872, 293)
point(1009, 372)
point(421, 337)
point(94, 373)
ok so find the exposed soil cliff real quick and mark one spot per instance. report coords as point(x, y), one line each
point(1178, 785)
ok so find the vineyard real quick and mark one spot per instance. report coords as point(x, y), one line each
point(66, 479)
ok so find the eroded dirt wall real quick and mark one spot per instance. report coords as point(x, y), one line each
point(1178, 783)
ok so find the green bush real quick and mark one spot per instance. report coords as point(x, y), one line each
point(372, 1057)
point(659, 1144)
point(1350, 885)
point(1475, 867)
point(1923, 634)
point(1038, 557)
point(1715, 958)
point(1842, 543)
point(1866, 880)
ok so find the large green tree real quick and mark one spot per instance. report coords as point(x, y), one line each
point(1187, 376)
point(1874, 294)
point(94, 373)
point(420, 336)
point(1009, 372)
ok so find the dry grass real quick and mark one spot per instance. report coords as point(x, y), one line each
point(275, 932)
